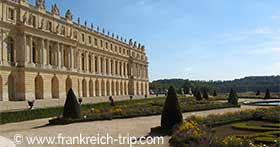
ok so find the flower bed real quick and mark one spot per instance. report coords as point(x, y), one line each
point(269, 133)
point(140, 108)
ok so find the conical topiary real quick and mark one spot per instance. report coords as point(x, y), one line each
point(232, 98)
point(205, 94)
point(171, 114)
point(198, 95)
point(258, 92)
point(267, 94)
point(215, 93)
point(71, 106)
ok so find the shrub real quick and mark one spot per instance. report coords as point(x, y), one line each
point(198, 95)
point(258, 92)
point(233, 98)
point(71, 106)
point(205, 94)
point(267, 94)
point(215, 93)
point(171, 114)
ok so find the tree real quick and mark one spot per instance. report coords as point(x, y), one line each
point(171, 114)
point(187, 85)
point(215, 93)
point(258, 92)
point(71, 106)
point(233, 98)
point(267, 94)
point(205, 94)
point(198, 95)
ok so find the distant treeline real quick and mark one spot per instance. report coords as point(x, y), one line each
point(260, 83)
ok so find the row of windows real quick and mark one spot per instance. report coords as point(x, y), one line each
point(62, 30)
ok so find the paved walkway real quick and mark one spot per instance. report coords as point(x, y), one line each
point(138, 127)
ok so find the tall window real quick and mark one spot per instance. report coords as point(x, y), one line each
point(10, 50)
point(51, 57)
point(89, 63)
point(65, 53)
point(34, 53)
point(89, 39)
point(49, 26)
point(33, 21)
point(83, 61)
point(95, 61)
point(11, 14)
point(95, 41)
point(101, 43)
point(83, 37)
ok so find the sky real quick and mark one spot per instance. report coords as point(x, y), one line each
point(192, 39)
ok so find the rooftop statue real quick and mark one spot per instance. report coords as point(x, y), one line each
point(40, 4)
point(55, 10)
point(68, 15)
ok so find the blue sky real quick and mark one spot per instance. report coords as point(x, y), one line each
point(192, 39)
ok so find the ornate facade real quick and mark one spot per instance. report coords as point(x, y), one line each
point(43, 55)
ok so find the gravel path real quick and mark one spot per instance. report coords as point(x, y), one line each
point(138, 127)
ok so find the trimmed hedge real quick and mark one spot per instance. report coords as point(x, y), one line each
point(24, 115)
point(244, 126)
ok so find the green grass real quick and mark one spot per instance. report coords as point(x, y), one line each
point(272, 125)
point(266, 139)
point(244, 126)
point(134, 108)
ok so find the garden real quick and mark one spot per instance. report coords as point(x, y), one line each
point(133, 108)
point(259, 127)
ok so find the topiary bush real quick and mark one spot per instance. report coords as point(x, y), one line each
point(171, 114)
point(198, 95)
point(215, 93)
point(233, 98)
point(71, 107)
point(267, 94)
point(205, 94)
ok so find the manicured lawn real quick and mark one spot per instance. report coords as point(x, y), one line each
point(136, 108)
point(123, 109)
point(245, 128)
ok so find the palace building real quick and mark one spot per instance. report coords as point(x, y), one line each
point(43, 55)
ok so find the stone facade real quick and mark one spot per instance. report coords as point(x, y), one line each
point(43, 55)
